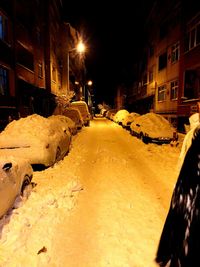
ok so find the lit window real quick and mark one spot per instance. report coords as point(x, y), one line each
point(4, 88)
point(175, 53)
point(174, 90)
point(162, 93)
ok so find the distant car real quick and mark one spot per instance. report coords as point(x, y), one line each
point(67, 123)
point(40, 140)
point(103, 112)
point(153, 128)
point(8, 114)
point(111, 113)
point(128, 119)
point(83, 108)
point(15, 174)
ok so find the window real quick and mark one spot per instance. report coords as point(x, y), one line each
point(25, 57)
point(175, 53)
point(151, 75)
point(4, 88)
point(144, 79)
point(192, 84)
point(192, 38)
point(174, 90)
point(151, 50)
point(162, 93)
point(198, 34)
point(40, 70)
point(38, 37)
point(164, 30)
point(3, 28)
point(54, 73)
point(162, 61)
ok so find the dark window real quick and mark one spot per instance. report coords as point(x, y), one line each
point(3, 28)
point(151, 75)
point(54, 73)
point(4, 86)
point(192, 38)
point(162, 61)
point(25, 57)
point(163, 30)
point(151, 50)
point(192, 84)
point(198, 33)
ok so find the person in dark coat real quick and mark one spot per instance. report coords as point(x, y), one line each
point(179, 244)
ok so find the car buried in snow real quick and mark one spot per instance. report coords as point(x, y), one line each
point(65, 121)
point(40, 140)
point(127, 120)
point(15, 175)
point(153, 128)
point(83, 108)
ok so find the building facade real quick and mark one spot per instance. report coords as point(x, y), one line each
point(168, 78)
point(34, 45)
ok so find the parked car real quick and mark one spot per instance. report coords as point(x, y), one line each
point(128, 119)
point(83, 108)
point(111, 113)
point(120, 115)
point(38, 139)
point(8, 114)
point(153, 128)
point(67, 123)
point(75, 115)
point(15, 174)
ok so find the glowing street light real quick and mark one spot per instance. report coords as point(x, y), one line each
point(89, 83)
point(80, 48)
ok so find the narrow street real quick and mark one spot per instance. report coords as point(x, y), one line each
point(116, 216)
point(122, 206)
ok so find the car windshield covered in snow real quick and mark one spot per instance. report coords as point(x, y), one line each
point(38, 139)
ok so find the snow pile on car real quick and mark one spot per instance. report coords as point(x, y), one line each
point(153, 124)
point(129, 118)
point(120, 115)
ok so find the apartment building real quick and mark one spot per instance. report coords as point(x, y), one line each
point(189, 76)
point(168, 79)
point(34, 45)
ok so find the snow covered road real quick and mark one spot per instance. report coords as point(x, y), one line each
point(117, 218)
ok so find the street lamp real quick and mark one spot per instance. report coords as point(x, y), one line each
point(80, 48)
point(89, 83)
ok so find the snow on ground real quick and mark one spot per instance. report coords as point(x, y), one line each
point(104, 205)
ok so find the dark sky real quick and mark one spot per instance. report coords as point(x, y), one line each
point(113, 33)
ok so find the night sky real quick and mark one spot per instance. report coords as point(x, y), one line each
point(114, 35)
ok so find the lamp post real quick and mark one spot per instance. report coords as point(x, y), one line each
point(80, 48)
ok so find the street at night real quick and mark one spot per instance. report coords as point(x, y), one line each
point(105, 204)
